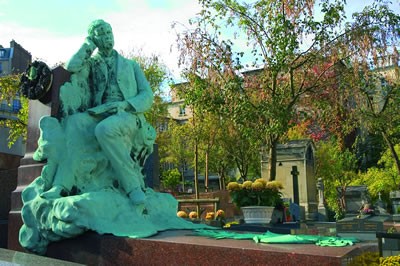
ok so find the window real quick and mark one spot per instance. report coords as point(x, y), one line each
point(184, 167)
point(5, 107)
point(162, 126)
point(182, 111)
point(167, 166)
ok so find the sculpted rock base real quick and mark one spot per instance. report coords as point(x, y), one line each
point(91, 197)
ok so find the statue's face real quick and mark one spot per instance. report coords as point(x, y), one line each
point(104, 38)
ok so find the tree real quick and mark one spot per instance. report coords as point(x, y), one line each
point(157, 75)
point(171, 179)
point(376, 76)
point(338, 170)
point(176, 148)
point(383, 178)
point(17, 125)
point(293, 67)
point(225, 146)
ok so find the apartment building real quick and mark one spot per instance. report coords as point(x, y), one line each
point(14, 59)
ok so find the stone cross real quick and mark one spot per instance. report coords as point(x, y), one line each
point(295, 175)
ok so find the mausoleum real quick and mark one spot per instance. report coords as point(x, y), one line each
point(295, 169)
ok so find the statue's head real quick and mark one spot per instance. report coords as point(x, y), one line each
point(102, 35)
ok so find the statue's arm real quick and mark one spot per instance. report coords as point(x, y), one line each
point(144, 99)
point(79, 59)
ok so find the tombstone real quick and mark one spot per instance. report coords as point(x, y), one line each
point(380, 206)
point(321, 201)
point(355, 221)
point(295, 170)
point(355, 198)
point(395, 199)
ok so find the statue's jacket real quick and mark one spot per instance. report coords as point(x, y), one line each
point(130, 78)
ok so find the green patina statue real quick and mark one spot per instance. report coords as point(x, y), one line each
point(93, 178)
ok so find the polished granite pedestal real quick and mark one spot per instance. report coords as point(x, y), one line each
point(181, 247)
point(16, 258)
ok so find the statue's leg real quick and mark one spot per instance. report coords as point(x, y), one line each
point(115, 135)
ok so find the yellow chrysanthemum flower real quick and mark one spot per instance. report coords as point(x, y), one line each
point(233, 186)
point(220, 213)
point(182, 214)
point(261, 180)
point(275, 185)
point(247, 184)
point(210, 216)
point(193, 215)
point(257, 185)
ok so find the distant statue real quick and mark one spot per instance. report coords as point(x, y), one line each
point(95, 152)
point(320, 188)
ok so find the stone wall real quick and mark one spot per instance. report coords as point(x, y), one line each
point(8, 183)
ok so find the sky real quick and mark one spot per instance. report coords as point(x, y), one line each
point(53, 30)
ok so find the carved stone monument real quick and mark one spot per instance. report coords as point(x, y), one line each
point(321, 201)
point(95, 149)
point(295, 169)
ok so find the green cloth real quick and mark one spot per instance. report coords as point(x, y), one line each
point(273, 238)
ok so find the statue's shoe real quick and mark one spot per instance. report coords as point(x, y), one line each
point(137, 196)
point(55, 192)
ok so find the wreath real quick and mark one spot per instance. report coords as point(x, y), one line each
point(36, 80)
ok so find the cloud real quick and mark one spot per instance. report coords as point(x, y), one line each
point(142, 25)
point(149, 30)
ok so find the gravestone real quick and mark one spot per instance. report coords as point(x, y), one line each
point(355, 198)
point(321, 201)
point(395, 198)
point(355, 221)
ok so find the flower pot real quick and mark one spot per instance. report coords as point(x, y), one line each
point(257, 214)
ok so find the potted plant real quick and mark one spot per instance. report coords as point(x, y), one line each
point(257, 199)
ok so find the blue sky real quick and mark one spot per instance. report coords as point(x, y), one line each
point(52, 30)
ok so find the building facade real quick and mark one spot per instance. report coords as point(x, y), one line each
point(13, 60)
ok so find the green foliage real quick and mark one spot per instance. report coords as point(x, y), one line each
point(366, 258)
point(389, 261)
point(177, 147)
point(157, 75)
point(337, 169)
point(383, 178)
point(170, 179)
point(18, 125)
point(263, 103)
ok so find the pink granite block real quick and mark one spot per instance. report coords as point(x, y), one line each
point(180, 247)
